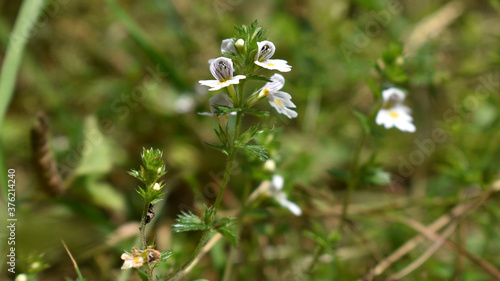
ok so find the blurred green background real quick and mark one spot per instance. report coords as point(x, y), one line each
point(115, 76)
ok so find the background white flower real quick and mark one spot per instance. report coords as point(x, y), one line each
point(281, 197)
point(265, 51)
point(222, 69)
point(281, 101)
point(393, 113)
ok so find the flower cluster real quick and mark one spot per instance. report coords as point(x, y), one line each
point(249, 56)
point(393, 112)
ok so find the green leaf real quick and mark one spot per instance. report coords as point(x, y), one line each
point(224, 109)
point(209, 214)
point(257, 151)
point(165, 255)
point(154, 201)
point(373, 174)
point(143, 275)
point(105, 195)
point(188, 222)
point(257, 112)
point(249, 134)
point(97, 158)
point(259, 78)
point(363, 121)
point(221, 148)
point(341, 174)
point(376, 90)
point(226, 227)
point(229, 233)
point(221, 134)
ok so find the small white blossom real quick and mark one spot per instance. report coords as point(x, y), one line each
point(222, 69)
point(393, 113)
point(281, 101)
point(156, 187)
point(184, 103)
point(228, 47)
point(138, 258)
point(265, 51)
point(281, 197)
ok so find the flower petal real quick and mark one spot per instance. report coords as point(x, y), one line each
point(280, 65)
point(227, 45)
point(393, 93)
point(278, 182)
point(265, 51)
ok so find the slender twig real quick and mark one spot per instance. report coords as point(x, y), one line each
point(426, 255)
point(435, 226)
point(491, 269)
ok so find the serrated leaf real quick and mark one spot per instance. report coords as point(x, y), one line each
point(257, 151)
point(257, 112)
point(224, 109)
point(188, 222)
point(230, 234)
point(226, 227)
point(165, 255)
point(209, 214)
point(249, 134)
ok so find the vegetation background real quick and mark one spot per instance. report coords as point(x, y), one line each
point(115, 76)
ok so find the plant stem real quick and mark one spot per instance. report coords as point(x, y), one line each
point(142, 226)
point(225, 180)
point(353, 180)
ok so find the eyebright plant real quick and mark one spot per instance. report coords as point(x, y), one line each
point(243, 57)
point(150, 172)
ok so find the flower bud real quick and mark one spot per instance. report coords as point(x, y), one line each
point(240, 45)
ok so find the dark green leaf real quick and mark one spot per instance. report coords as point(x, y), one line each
point(257, 112)
point(342, 175)
point(209, 214)
point(188, 222)
point(249, 134)
point(257, 151)
point(221, 148)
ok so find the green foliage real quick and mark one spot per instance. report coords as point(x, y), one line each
point(187, 221)
point(227, 227)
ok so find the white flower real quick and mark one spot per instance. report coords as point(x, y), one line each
point(228, 47)
point(137, 257)
point(265, 51)
point(393, 113)
point(277, 193)
point(184, 103)
point(281, 101)
point(222, 69)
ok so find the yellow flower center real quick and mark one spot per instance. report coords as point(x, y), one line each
point(264, 92)
point(393, 114)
